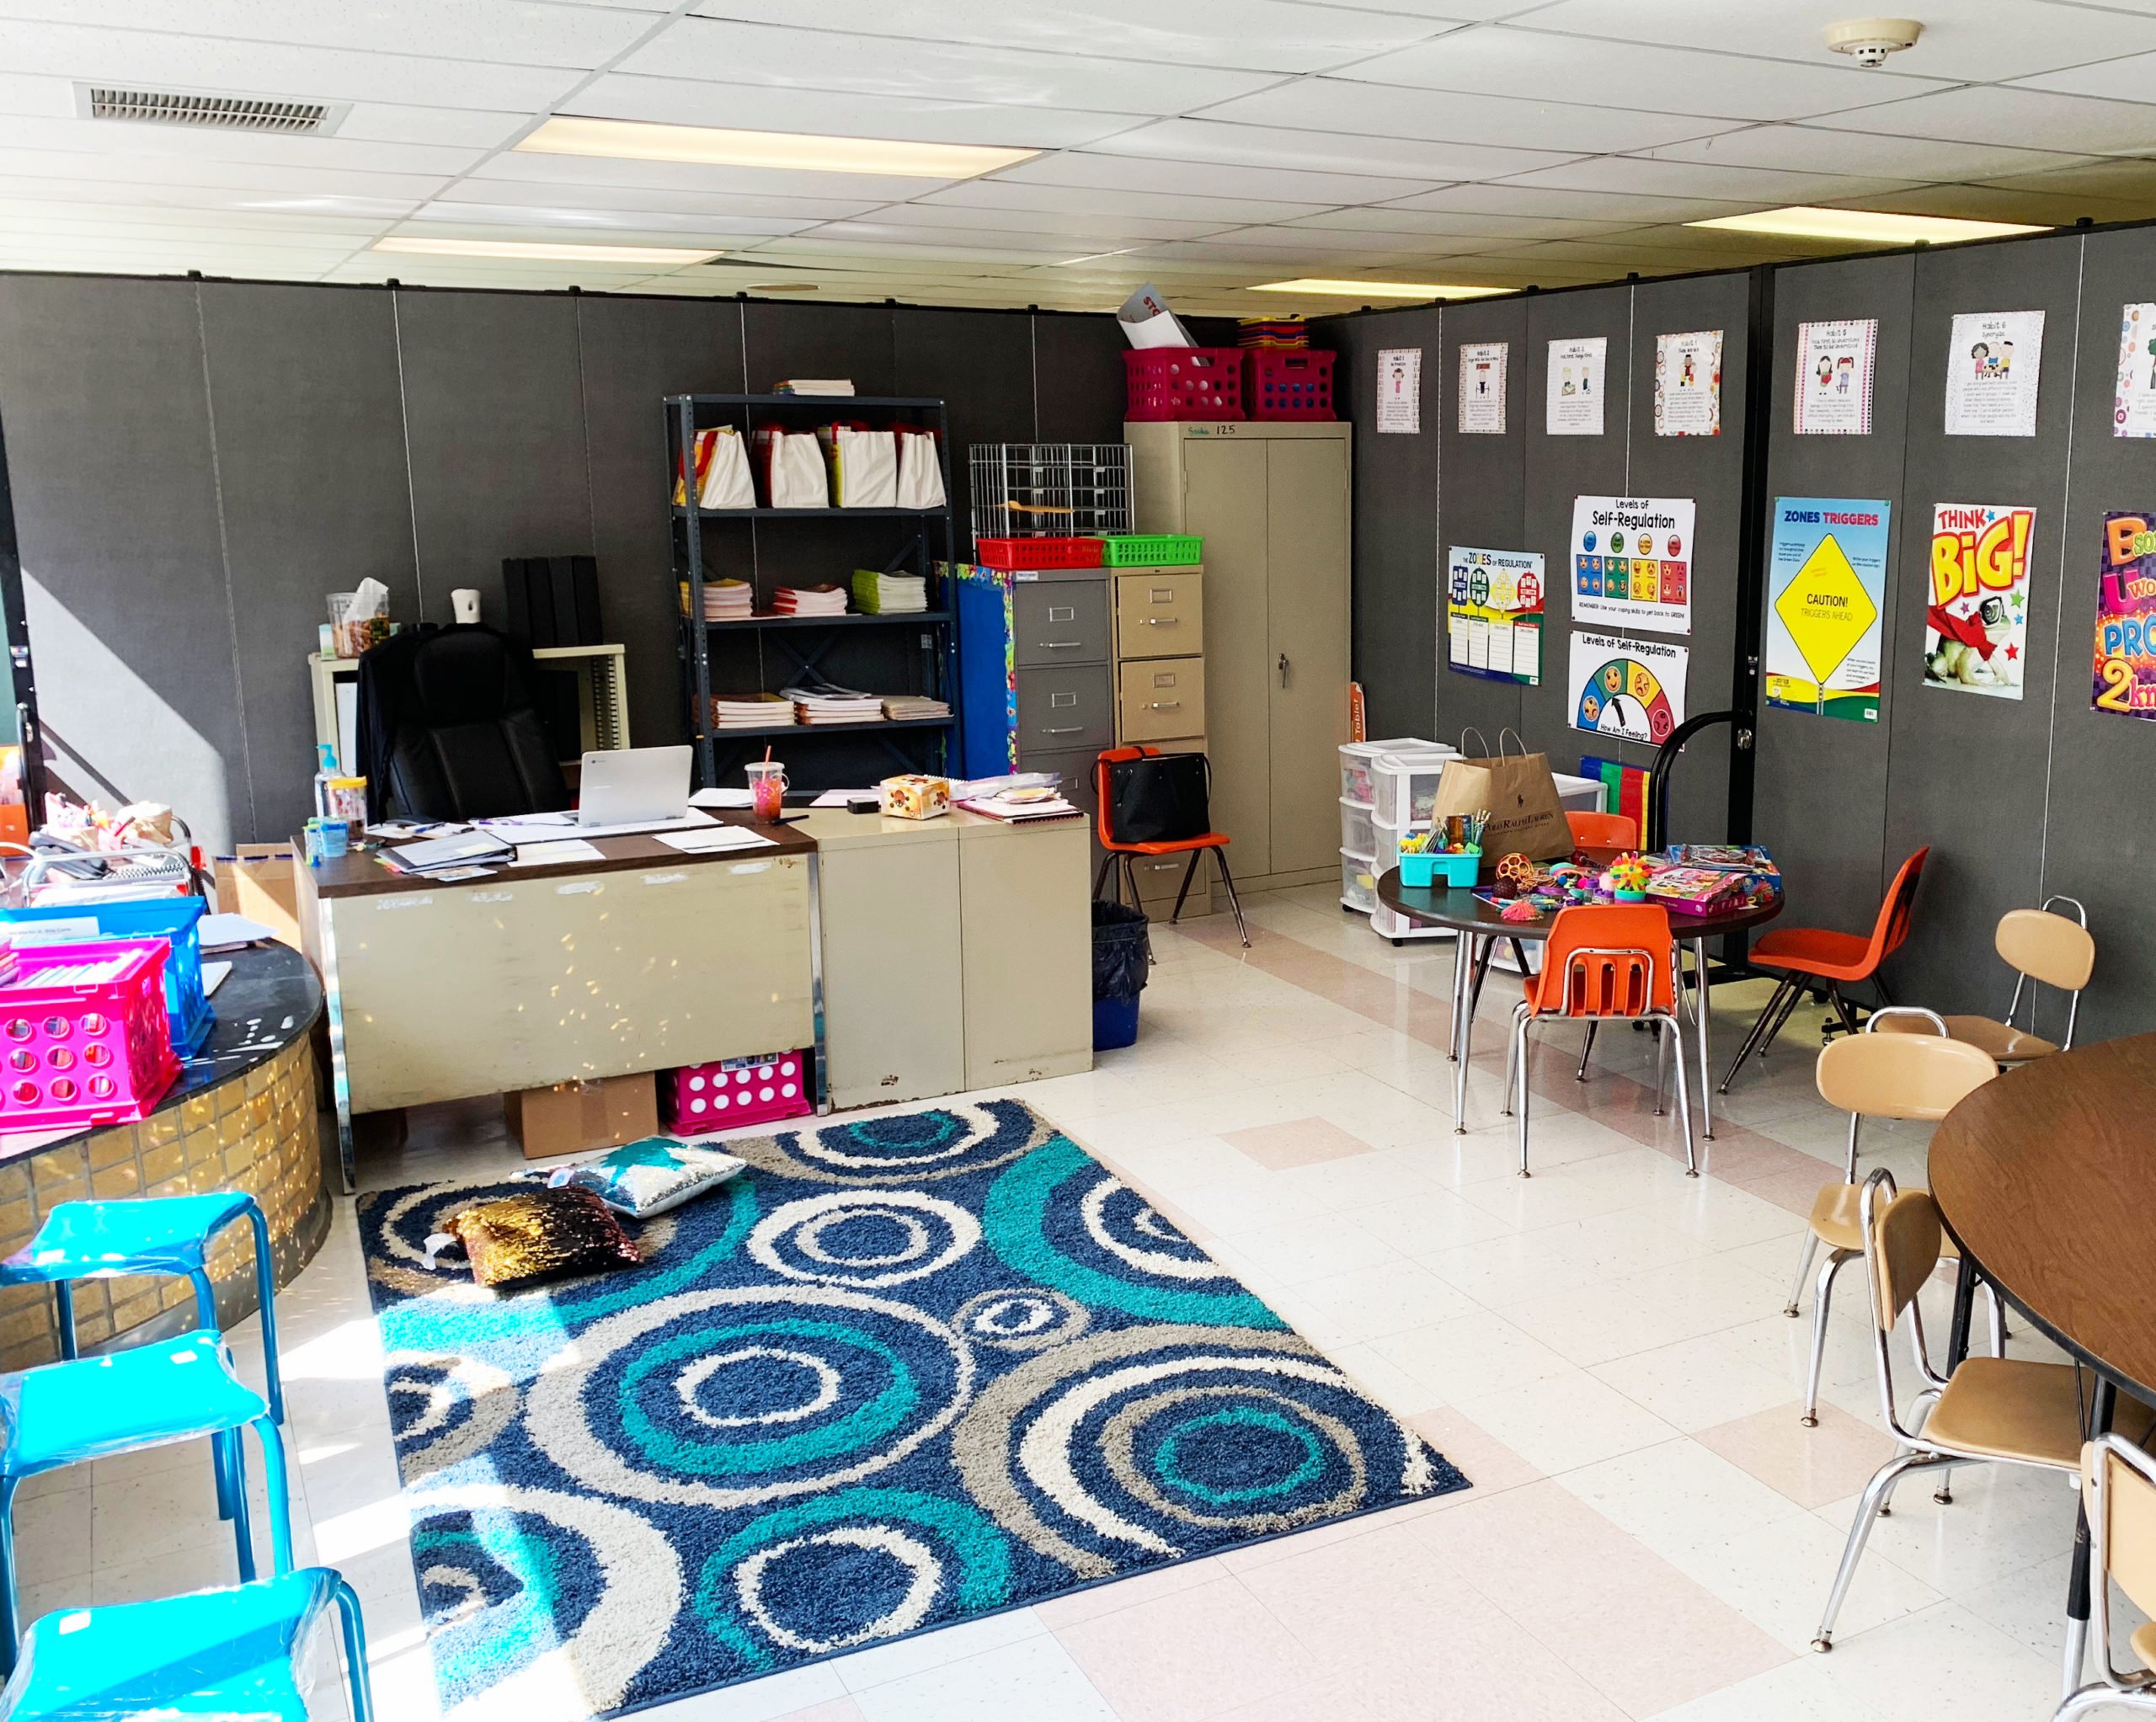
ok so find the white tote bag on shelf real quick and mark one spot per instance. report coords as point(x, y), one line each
point(793, 469)
point(723, 480)
point(921, 471)
point(864, 466)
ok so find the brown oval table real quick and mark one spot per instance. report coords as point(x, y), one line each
point(1480, 924)
point(2045, 1178)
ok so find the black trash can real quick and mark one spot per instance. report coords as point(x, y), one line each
point(1121, 952)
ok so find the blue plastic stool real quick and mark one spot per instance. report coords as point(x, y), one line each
point(217, 1653)
point(92, 1408)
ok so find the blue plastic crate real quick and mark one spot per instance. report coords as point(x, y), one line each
point(177, 920)
point(1436, 868)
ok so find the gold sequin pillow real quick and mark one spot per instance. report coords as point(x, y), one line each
point(520, 1240)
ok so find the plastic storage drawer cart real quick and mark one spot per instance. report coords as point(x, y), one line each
point(754, 1090)
point(1182, 382)
point(84, 1037)
point(1404, 784)
point(1289, 383)
point(1356, 758)
point(176, 919)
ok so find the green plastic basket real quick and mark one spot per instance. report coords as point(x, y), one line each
point(1151, 550)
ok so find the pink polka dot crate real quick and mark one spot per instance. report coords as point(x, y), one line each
point(698, 1097)
point(84, 1039)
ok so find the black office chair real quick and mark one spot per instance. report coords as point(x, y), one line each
point(449, 728)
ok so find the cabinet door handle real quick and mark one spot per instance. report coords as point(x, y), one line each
point(1068, 730)
point(1163, 621)
point(1059, 645)
point(1283, 669)
point(1163, 705)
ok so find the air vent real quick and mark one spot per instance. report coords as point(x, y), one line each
point(210, 112)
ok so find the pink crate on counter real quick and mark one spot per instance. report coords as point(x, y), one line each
point(700, 1097)
point(85, 1036)
point(1182, 382)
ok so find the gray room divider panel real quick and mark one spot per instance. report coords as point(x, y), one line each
point(2099, 839)
point(1966, 771)
point(1481, 505)
point(1819, 798)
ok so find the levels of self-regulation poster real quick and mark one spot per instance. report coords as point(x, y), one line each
point(1826, 594)
point(1493, 614)
point(1632, 562)
point(2126, 616)
point(1633, 690)
point(1976, 634)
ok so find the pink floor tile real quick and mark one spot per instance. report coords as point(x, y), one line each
point(1095, 1600)
point(1811, 1466)
point(1188, 1656)
point(1485, 1461)
point(1298, 1142)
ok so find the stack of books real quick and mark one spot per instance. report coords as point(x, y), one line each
point(810, 600)
point(820, 701)
point(889, 595)
point(815, 385)
point(724, 600)
point(904, 707)
point(749, 710)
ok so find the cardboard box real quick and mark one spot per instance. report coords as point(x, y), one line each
point(258, 882)
point(573, 1118)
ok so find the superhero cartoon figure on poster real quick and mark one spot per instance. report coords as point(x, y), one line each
point(1976, 623)
point(2126, 616)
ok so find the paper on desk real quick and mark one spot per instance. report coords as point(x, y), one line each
point(213, 976)
point(839, 797)
point(720, 799)
point(716, 841)
point(223, 932)
point(555, 854)
point(544, 828)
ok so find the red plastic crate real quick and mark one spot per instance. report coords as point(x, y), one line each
point(1037, 552)
point(1166, 383)
point(701, 1097)
point(92, 1050)
point(1286, 384)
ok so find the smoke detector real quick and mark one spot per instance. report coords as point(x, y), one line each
point(1869, 40)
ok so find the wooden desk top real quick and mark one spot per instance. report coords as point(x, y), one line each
point(1457, 906)
point(363, 874)
point(2045, 1177)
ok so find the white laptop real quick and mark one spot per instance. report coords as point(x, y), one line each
point(635, 785)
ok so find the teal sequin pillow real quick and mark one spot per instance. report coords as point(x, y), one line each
point(648, 1178)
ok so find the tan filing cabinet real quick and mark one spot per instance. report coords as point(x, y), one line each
point(1027, 936)
point(1271, 502)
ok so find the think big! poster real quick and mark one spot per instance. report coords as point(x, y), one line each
point(2126, 617)
point(1976, 624)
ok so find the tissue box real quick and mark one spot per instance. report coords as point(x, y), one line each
point(914, 796)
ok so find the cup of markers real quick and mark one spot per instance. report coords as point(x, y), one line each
point(1449, 853)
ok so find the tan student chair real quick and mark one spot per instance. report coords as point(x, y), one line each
point(1878, 1073)
point(2048, 949)
point(2011, 1410)
point(2118, 1487)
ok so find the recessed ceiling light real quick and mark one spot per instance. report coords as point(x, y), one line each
point(665, 256)
point(644, 141)
point(1865, 227)
point(1378, 290)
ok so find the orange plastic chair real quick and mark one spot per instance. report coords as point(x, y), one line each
point(1807, 954)
point(1117, 852)
point(1605, 961)
point(1602, 830)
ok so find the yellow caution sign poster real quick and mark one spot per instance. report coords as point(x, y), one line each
point(1826, 598)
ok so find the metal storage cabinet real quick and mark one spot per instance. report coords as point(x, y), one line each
point(1271, 502)
point(1033, 668)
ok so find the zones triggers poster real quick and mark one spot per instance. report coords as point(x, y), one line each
point(1975, 632)
point(1826, 592)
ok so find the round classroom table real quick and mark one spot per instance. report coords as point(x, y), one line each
point(1480, 924)
point(2044, 1178)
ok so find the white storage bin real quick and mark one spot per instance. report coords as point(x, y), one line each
point(1359, 883)
point(1389, 924)
point(1405, 782)
point(1355, 757)
point(1384, 846)
point(1355, 830)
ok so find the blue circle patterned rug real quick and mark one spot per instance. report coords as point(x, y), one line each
point(900, 1372)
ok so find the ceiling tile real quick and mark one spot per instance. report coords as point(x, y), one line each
point(697, 176)
point(104, 137)
point(1500, 61)
point(1008, 194)
point(393, 122)
point(1811, 149)
point(608, 226)
point(1755, 186)
point(1510, 197)
point(1265, 35)
point(1120, 229)
point(2000, 115)
point(1991, 203)
point(669, 201)
point(1977, 40)
point(145, 169)
point(1207, 178)
point(1394, 111)
point(807, 58)
point(1255, 245)
point(954, 237)
point(1276, 148)
point(2133, 181)
point(1394, 218)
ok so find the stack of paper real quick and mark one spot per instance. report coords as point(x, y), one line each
point(903, 707)
point(749, 710)
point(810, 600)
point(815, 385)
point(888, 594)
point(1024, 806)
point(724, 600)
point(820, 701)
point(1272, 332)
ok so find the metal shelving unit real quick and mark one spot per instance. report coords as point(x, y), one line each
point(787, 646)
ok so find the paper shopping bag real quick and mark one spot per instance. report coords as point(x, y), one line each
point(722, 471)
point(864, 466)
point(793, 469)
point(920, 470)
point(1518, 792)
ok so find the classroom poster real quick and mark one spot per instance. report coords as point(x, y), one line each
point(1633, 690)
point(1399, 391)
point(2126, 616)
point(1834, 365)
point(1573, 402)
point(1976, 630)
point(1994, 361)
point(1493, 614)
point(1482, 388)
point(1688, 384)
point(1826, 594)
point(1632, 562)
point(2133, 402)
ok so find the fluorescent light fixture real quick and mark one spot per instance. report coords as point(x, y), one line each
point(663, 256)
point(1864, 226)
point(1379, 289)
point(1094, 256)
point(646, 140)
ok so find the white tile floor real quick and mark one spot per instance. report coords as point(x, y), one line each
point(1601, 1349)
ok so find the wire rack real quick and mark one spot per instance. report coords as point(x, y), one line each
point(1049, 489)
